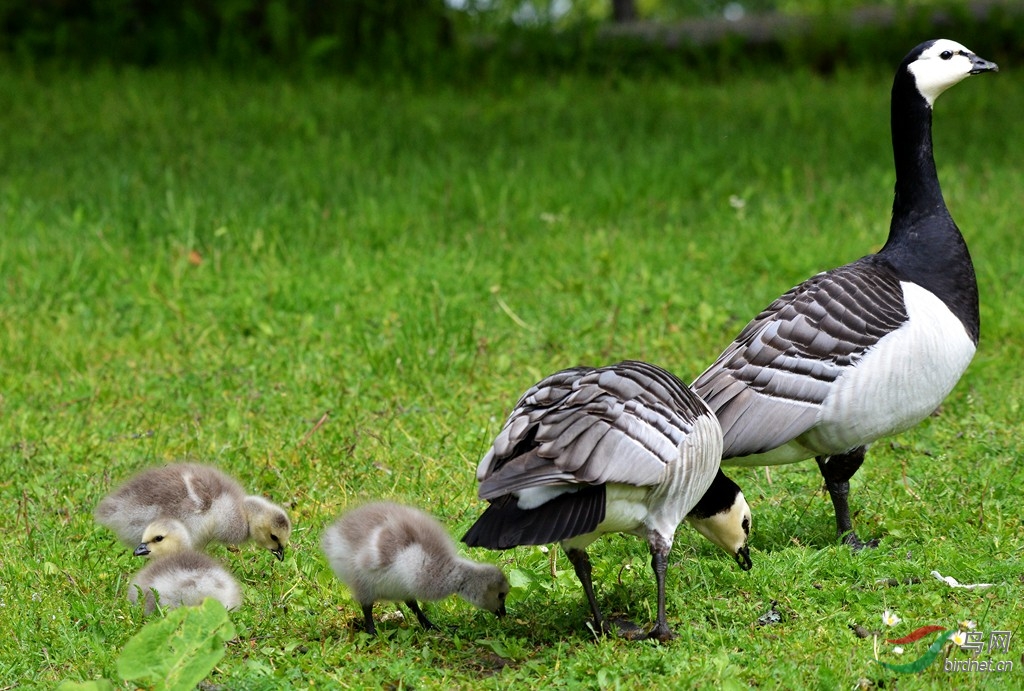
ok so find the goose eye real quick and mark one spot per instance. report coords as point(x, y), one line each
point(746, 525)
point(946, 54)
point(274, 538)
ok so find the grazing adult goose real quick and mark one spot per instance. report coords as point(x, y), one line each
point(177, 574)
point(212, 506)
point(626, 448)
point(387, 551)
point(870, 348)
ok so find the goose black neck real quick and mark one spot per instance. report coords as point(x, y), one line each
point(924, 245)
point(918, 193)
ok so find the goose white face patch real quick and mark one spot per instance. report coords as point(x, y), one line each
point(941, 66)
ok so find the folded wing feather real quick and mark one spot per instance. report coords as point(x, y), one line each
point(769, 384)
point(585, 426)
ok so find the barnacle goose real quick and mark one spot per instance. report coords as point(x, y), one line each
point(212, 506)
point(870, 348)
point(387, 551)
point(626, 448)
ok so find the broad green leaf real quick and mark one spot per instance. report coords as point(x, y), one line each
point(518, 578)
point(177, 652)
point(91, 685)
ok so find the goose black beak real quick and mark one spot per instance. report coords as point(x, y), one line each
point(743, 558)
point(279, 553)
point(141, 551)
point(979, 65)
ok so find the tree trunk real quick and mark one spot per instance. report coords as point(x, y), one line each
point(624, 11)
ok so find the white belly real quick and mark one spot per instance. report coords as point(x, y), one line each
point(900, 381)
point(626, 511)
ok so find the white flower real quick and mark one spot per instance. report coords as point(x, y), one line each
point(889, 618)
point(959, 638)
point(898, 650)
point(968, 625)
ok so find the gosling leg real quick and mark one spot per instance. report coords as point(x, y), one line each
point(426, 623)
point(368, 619)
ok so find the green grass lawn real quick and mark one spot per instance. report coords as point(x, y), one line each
point(197, 266)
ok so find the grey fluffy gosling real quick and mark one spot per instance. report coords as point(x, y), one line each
point(177, 574)
point(386, 551)
point(212, 506)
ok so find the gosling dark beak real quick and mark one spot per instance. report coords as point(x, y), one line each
point(979, 65)
point(743, 558)
point(141, 551)
point(279, 553)
point(501, 611)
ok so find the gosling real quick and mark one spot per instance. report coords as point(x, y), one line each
point(176, 574)
point(212, 506)
point(386, 551)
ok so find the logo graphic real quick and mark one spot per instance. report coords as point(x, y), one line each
point(965, 637)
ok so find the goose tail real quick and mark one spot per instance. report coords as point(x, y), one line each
point(504, 525)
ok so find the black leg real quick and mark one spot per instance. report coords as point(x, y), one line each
point(837, 471)
point(581, 564)
point(659, 562)
point(368, 619)
point(426, 623)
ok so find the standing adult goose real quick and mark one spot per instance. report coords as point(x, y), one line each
point(212, 506)
point(626, 448)
point(870, 348)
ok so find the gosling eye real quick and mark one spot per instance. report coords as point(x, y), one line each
point(946, 54)
point(274, 538)
point(158, 538)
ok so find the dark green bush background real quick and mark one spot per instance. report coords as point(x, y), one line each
point(348, 34)
point(425, 38)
